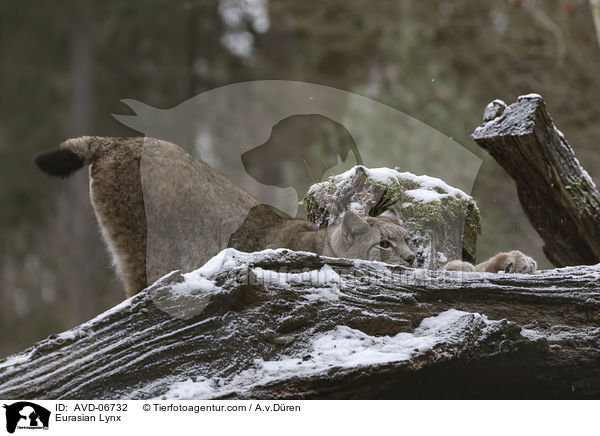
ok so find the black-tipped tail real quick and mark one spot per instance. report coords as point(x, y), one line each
point(58, 163)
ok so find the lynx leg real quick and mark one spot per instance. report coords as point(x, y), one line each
point(459, 265)
point(117, 199)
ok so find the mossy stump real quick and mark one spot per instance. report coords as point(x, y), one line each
point(443, 221)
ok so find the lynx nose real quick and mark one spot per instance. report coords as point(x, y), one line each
point(410, 259)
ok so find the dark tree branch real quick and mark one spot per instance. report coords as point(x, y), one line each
point(558, 196)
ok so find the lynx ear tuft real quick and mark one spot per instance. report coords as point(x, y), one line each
point(390, 212)
point(352, 225)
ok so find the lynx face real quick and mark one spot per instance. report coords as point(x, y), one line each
point(379, 238)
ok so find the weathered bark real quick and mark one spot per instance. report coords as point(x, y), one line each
point(544, 345)
point(558, 196)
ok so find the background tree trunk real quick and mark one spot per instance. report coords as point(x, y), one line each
point(77, 231)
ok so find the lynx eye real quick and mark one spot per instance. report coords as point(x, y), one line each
point(385, 244)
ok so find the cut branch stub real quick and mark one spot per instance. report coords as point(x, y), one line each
point(557, 194)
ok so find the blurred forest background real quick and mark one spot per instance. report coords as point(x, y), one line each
point(64, 69)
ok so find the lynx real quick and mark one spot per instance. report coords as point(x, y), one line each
point(161, 209)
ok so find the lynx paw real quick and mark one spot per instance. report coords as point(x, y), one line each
point(521, 263)
point(511, 262)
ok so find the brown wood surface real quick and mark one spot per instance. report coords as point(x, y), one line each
point(558, 196)
point(544, 343)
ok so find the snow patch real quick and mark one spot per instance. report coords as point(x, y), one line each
point(191, 296)
point(389, 176)
point(69, 335)
point(434, 184)
point(357, 208)
point(16, 359)
point(199, 280)
point(326, 282)
point(425, 196)
point(342, 347)
point(196, 284)
point(531, 95)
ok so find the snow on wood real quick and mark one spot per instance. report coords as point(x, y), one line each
point(390, 332)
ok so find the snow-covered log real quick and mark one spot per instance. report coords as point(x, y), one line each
point(281, 324)
point(557, 194)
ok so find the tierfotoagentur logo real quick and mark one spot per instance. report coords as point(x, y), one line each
point(25, 415)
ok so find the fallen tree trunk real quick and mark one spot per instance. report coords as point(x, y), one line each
point(557, 194)
point(281, 324)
